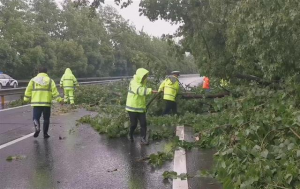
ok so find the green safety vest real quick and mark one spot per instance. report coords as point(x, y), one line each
point(41, 90)
point(137, 92)
point(170, 86)
point(68, 80)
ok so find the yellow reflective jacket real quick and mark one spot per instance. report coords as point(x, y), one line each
point(41, 90)
point(137, 92)
point(170, 86)
point(68, 80)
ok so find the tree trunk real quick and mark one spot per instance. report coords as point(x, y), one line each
point(195, 96)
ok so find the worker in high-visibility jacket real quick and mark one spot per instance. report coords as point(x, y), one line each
point(170, 87)
point(41, 90)
point(136, 103)
point(206, 84)
point(68, 82)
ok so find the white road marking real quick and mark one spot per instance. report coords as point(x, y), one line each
point(16, 140)
point(14, 108)
point(180, 162)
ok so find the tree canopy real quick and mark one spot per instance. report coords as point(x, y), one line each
point(234, 36)
point(40, 33)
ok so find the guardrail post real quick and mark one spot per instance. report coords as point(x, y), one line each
point(2, 101)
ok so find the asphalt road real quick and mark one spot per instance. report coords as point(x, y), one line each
point(73, 157)
point(78, 157)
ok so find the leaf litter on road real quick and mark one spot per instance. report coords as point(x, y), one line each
point(16, 157)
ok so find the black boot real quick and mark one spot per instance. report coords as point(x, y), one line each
point(144, 141)
point(37, 128)
point(130, 137)
point(45, 129)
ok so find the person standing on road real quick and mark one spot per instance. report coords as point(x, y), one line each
point(170, 87)
point(40, 91)
point(136, 103)
point(68, 82)
point(206, 83)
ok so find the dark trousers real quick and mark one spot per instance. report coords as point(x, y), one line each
point(37, 113)
point(170, 106)
point(134, 118)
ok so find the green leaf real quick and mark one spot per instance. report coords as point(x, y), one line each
point(183, 176)
point(10, 158)
point(264, 153)
point(126, 124)
point(288, 178)
point(291, 146)
point(170, 175)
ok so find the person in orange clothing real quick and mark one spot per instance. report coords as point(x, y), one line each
point(206, 84)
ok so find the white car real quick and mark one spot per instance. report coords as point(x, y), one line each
point(191, 82)
point(7, 81)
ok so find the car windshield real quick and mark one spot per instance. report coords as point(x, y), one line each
point(6, 76)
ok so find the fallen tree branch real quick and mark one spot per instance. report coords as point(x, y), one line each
point(143, 159)
point(195, 96)
point(253, 78)
point(224, 89)
point(278, 186)
point(295, 133)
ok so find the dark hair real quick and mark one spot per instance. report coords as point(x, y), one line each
point(43, 70)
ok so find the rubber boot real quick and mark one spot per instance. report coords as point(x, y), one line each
point(144, 141)
point(37, 128)
point(45, 129)
point(130, 138)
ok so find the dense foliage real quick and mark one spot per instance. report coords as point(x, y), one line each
point(234, 36)
point(256, 128)
point(256, 132)
point(39, 32)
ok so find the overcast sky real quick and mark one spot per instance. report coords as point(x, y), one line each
point(131, 13)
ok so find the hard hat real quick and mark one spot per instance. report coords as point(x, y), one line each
point(175, 72)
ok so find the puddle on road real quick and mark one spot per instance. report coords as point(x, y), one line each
point(139, 174)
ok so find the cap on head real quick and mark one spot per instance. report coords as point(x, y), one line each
point(175, 72)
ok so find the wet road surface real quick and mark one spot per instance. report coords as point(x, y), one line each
point(78, 157)
point(81, 159)
point(15, 124)
point(199, 160)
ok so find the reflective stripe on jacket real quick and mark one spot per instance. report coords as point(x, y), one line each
point(68, 80)
point(137, 92)
point(170, 86)
point(41, 90)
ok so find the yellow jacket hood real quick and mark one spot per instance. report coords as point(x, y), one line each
point(140, 73)
point(68, 71)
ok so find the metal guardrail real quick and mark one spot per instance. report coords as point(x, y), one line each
point(21, 90)
point(87, 81)
point(24, 82)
